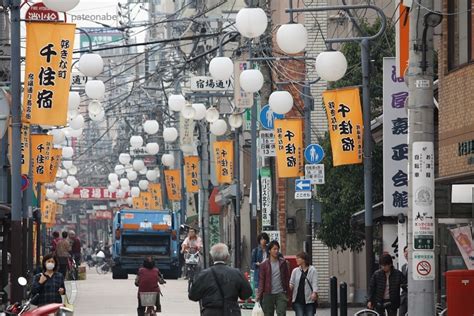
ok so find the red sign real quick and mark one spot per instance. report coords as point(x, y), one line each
point(423, 268)
point(92, 193)
point(39, 12)
point(103, 214)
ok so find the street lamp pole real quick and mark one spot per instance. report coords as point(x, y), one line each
point(365, 58)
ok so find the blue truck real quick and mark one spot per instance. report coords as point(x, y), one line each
point(142, 233)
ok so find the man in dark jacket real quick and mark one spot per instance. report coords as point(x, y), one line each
point(384, 289)
point(404, 295)
point(219, 287)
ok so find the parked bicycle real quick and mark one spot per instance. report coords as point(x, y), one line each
point(104, 266)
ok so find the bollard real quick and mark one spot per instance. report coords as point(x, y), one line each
point(333, 296)
point(343, 298)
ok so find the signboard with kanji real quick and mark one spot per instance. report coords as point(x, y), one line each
point(266, 196)
point(423, 195)
point(48, 72)
point(423, 265)
point(204, 83)
point(156, 196)
point(39, 12)
point(41, 146)
point(315, 173)
point(186, 131)
point(191, 167)
point(25, 148)
point(242, 99)
point(395, 141)
point(92, 193)
point(289, 148)
point(267, 143)
point(173, 184)
point(224, 159)
point(345, 125)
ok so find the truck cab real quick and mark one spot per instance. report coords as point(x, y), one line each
point(142, 233)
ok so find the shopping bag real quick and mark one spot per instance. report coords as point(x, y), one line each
point(257, 310)
point(66, 303)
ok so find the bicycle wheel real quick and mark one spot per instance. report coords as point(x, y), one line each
point(99, 269)
point(367, 312)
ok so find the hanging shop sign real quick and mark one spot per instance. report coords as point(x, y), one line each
point(224, 160)
point(25, 148)
point(191, 167)
point(48, 212)
point(186, 131)
point(267, 143)
point(56, 155)
point(92, 193)
point(289, 148)
point(463, 237)
point(266, 196)
point(204, 83)
point(173, 184)
point(345, 125)
point(156, 196)
point(42, 146)
point(395, 141)
point(48, 72)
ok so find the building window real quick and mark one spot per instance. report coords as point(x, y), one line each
point(459, 33)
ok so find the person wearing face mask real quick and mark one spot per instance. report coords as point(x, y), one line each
point(49, 284)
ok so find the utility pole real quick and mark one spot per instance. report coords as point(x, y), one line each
point(4, 78)
point(308, 108)
point(204, 194)
point(421, 296)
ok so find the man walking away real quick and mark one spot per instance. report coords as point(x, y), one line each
point(404, 296)
point(274, 278)
point(75, 247)
point(63, 249)
point(384, 289)
point(219, 287)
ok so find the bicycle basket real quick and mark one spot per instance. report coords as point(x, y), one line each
point(148, 298)
point(192, 259)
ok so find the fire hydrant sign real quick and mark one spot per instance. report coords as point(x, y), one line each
point(423, 195)
point(423, 265)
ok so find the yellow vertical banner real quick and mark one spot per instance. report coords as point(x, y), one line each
point(42, 146)
point(157, 199)
point(25, 148)
point(49, 48)
point(173, 184)
point(56, 155)
point(224, 160)
point(47, 211)
point(345, 125)
point(138, 202)
point(289, 147)
point(191, 167)
point(146, 200)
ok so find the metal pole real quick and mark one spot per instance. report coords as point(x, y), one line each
point(183, 189)
point(421, 295)
point(254, 166)
point(17, 291)
point(205, 191)
point(333, 295)
point(343, 298)
point(307, 141)
point(365, 56)
point(238, 233)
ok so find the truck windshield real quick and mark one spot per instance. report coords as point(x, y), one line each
point(146, 245)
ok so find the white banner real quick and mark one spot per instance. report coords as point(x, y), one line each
point(186, 131)
point(266, 183)
point(463, 238)
point(267, 144)
point(395, 141)
point(274, 235)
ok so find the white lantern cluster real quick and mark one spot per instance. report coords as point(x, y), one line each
point(292, 38)
point(251, 22)
point(151, 127)
point(170, 134)
point(331, 65)
point(281, 102)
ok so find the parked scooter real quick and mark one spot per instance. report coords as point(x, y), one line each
point(46, 310)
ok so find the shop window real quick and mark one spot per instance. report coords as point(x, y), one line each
point(459, 33)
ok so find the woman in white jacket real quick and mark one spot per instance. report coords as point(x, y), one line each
point(304, 284)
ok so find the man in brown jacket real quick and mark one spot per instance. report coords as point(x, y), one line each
point(63, 249)
point(274, 278)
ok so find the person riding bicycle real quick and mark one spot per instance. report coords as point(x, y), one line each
point(191, 245)
point(148, 280)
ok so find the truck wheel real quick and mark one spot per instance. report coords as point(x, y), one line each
point(173, 274)
point(119, 274)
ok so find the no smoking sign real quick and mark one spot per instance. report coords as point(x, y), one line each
point(423, 265)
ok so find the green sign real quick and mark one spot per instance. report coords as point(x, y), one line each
point(424, 242)
point(100, 36)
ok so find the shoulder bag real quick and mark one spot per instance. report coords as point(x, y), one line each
point(227, 311)
point(311, 287)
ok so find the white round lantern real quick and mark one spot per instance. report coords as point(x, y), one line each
point(130, 201)
point(77, 122)
point(251, 80)
point(125, 189)
point(212, 114)
point(292, 38)
point(251, 22)
point(170, 134)
point(60, 194)
point(68, 152)
point(124, 182)
point(331, 65)
point(128, 168)
point(176, 102)
point(152, 148)
point(119, 169)
point(70, 179)
point(221, 68)
point(74, 101)
point(219, 127)
point(167, 160)
point(97, 117)
point(67, 164)
point(188, 112)
point(111, 189)
point(236, 120)
point(151, 175)
point(94, 107)
point(73, 170)
point(200, 111)
point(58, 136)
point(138, 165)
point(63, 173)
point(95, 89)
point(136, 141)
point(61, 5)
point(113, 177)
point(59, 184)
point(135, 191)
point(68, 189)
point(75, 132)
point(151, 127)
point(143, 184)
point(124, 158)
point(281, 102)
point(75, 183)
point(143, 171)
point(132, 175)
point(91, 65)
point(115, 184)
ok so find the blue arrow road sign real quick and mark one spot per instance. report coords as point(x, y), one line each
point(302, 185)
point(268, 117)
point(314, 153)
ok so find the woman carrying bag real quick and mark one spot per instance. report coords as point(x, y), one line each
point(304, 284)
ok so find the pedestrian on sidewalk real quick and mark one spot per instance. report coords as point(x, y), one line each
point(147, 280)
point(49, 284)
point(63, 249)
point(219, 287)
point(384, 288)
point(304, 284)
point(273, 284)
point(55, 241)
point(75, 247)
point(259, 254)
point(404, 295)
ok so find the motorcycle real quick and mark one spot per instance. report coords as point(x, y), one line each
point(23, 309)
